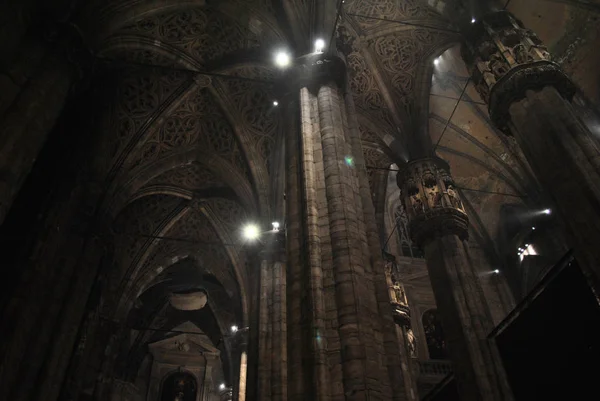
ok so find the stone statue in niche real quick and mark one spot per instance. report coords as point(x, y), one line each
point(498, 66)
point(522, 55)
point(411, 341)
point(488, 75)
point(399, 295)
point(434, 197)
point(454, 198)
point(416, 203)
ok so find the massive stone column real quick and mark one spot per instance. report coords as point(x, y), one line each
point(44, 81)
point(439, 224)
point(529, 97)
point(341, 334)
point(272, 338)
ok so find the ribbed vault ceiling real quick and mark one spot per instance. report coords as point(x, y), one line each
point(189, 158)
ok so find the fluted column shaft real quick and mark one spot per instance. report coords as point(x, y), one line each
point(272, 321)
point(529, 97)
point(346, 353)
point(439, 224)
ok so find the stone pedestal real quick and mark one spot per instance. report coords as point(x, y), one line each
point(342, 337)
point(439, 224)
point(529, 97)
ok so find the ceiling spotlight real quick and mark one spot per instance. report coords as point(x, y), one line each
point(275, 226)
point(473, 20)
point(282, 59)
point(319, 45)
point(436, 61)
point(234, 329)
point(533, 228)
point(547, 211)
point(251, 232)
point(496, 271)
point(222, 386)
point(275, 103)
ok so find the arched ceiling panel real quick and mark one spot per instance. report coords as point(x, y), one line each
point(197, 122)
point(140, 219)
point(252, 100)
point(203, 33)
point(399, 10)
point(192, 177)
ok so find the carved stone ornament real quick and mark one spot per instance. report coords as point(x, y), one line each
point(506, 60)
point(312, 71)
point(398, 299)
point(431, 200)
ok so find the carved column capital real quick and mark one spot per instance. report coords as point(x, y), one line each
point(431, 200)
point(313, 71)
point(273, 247)
point(225, 393)
point(506, 60)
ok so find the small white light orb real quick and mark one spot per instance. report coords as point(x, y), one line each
point(496, 271)
point(251, 232)
point(222, 386)
point(547, 211)
point(473, 20)
point(275, 103)
point(319, 45)
point(436, 61)
point(533, 228)
point(282, 59)
point(234, 329)
point(275, 226)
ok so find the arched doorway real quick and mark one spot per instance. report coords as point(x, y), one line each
point(179, 386)
point(434, 335)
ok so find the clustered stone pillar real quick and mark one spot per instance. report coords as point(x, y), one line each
point(342, 342)
point(439, 225)
point(273, 320)
point(529, 97)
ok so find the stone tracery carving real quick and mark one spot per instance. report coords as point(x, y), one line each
point(432, 203)
point(204, 33)
point(254, 103)
point(191, 177)
point(506, 60)
point(197, 122)
point(393, 10)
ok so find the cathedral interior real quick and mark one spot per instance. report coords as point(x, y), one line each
point(252, 200)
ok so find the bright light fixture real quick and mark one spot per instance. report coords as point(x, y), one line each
point(275, 226)
point(319, 45)
point(496, 271)
point(251, 232)
point(547, 211)
point(234, 329)
point(222, 386)
point(436, 61)
point(473, 20)
point(275, 103)
point(533, 228)
point(282, 59)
